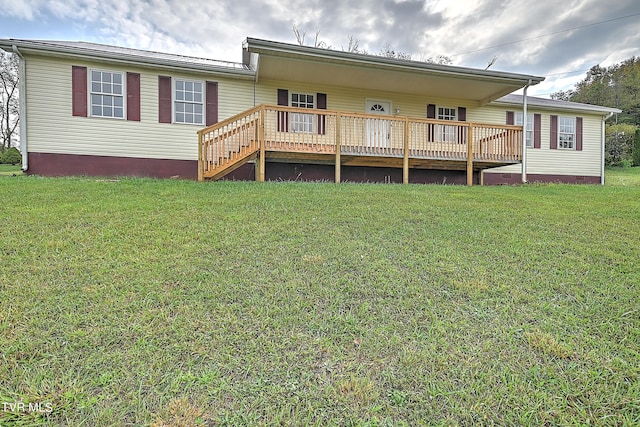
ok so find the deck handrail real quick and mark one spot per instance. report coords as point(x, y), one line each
point(271, 128)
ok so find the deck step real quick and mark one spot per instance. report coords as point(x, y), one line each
point(246, 154)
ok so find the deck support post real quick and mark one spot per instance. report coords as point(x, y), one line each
point(200, 158)
point(405, 159)
point(338, 149)
point(262, 157)
point(470, 155)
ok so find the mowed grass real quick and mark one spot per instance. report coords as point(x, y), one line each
point(622, 176)
point(163, 302)
point(10, 170)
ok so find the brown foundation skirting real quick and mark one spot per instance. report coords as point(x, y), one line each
point(516, 179)
point(47, 164)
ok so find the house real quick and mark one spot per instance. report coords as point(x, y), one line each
point(294, 112)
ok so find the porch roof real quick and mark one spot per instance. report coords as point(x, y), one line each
point(288, 62)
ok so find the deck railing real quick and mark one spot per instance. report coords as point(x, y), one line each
point(297, 130)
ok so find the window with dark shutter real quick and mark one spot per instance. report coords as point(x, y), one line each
point(164, 99)
point(79, 91)
point(511, 118)
point(133, 97)
point(212, 103)
point(553, 134)
point(578, 133)
point(283, 116)
point(321, 104)
point(537, 130)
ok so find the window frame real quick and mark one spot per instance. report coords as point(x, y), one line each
point(175, 101)
point(572, 134)
point(302, 122)
point(517, 121)
point(447, 133)
point(91, 93)
point(450, 117)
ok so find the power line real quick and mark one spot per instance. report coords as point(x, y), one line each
point(548, 34)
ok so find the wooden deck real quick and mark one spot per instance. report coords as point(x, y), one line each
point(353, 139)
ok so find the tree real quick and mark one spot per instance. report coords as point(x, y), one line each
point(9, 107)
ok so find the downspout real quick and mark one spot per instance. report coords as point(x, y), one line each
point(524, 133)
point(22, 89)
point(602, 153)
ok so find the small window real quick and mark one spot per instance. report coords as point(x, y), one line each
point(518, 122)
point(107, 94)
point(567, 133)
point(188, 102)
point(448, 133)
point(301, 122)
point(446, 113)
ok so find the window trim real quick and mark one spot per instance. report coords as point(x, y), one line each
point(203, 86)
point(530, 126)
point(454, 109)
point(572, 134)
point(90, 92)
point(295, 125)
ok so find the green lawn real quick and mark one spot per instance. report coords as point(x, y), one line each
point(10, 170)
point(165, 302)
point(622, 176)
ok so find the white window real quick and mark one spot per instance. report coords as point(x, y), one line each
point(446, 113)
point(188, 102)
point(447, 133)
point(107, 94)
point(567, 132)
point(529, 127)
point(301, 122)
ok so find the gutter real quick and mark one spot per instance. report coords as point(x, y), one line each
point(22, 89)
point(524, 132)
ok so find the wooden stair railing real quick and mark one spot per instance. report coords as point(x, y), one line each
point(229, 144)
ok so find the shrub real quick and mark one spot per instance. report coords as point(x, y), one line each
point(618, 145)
point(636, 148)
point(12, 156)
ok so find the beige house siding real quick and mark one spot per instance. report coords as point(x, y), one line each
point(354, 100)
point(546, 161)
point(51, 128)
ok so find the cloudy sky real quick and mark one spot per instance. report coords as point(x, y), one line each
point(560, 40)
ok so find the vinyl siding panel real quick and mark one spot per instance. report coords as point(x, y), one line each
point(51, 128)
point(544, 160)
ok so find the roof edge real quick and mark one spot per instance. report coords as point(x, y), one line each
point(57, 48)
point(260, 45)
point(552, 104)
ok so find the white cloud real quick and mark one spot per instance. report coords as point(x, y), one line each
point(422, 28)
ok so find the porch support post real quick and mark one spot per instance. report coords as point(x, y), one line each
point(405, 160)
point(261, 158)
point(338, 148)
point(470, 155)
point(200, 158)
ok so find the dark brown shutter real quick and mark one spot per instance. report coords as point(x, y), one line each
point(462, 114)
point(431, 111)
point(511, 118)
point(462, 132)
point(578, 133)
point(321, 103)
point(431, 128)
point(212, 103)
point(553, 135)
point(164, 99)
point(283, 116)
point(79, 91)
point(537, 130)
point(133, 97)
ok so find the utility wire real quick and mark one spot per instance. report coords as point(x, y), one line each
point(547, 35)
